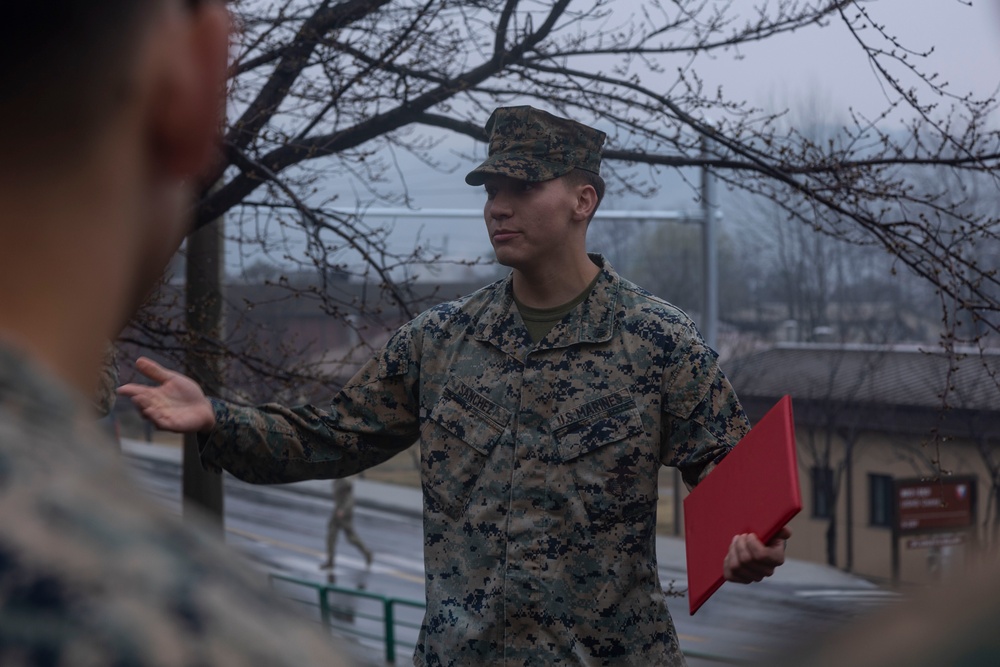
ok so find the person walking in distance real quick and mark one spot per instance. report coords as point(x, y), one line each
point(342, 520)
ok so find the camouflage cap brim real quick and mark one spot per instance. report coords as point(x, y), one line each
point(519, 167)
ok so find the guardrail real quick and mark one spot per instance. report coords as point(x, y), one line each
point(383, 621)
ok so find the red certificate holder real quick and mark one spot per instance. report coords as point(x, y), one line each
point(755, 489)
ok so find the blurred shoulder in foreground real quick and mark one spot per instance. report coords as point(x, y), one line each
point(955, 624)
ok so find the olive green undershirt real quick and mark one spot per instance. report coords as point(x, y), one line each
point(539, 321)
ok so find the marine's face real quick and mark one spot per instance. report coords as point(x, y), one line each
point(528, 223)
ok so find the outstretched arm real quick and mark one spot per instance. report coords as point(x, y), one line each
point(174, 403)
point(750, 560)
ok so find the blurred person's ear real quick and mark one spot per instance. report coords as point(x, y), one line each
point(182, 79)
point(188, 98)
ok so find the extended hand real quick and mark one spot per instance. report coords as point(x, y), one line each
point(749, 559)
point(175, 403)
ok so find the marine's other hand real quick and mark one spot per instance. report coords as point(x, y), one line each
point(750, 560)
point(174, 403)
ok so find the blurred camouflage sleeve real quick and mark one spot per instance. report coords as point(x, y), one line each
point(95, 572)
point(107, 383)
point(374, 417)
point(703, 418)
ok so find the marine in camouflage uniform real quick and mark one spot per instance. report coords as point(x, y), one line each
point(342, 519)
point(539, 459)
point(539, 453)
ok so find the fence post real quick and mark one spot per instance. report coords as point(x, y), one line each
point(324, 606)
point(390, 632)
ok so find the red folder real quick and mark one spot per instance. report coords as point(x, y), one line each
point(755, 489)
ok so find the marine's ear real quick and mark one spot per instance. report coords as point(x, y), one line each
point(189, 66)
point(586, 202)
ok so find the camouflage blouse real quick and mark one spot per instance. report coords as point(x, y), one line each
point(539, 466)
point(93, 573)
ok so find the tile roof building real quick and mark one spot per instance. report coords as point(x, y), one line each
point(868, 417)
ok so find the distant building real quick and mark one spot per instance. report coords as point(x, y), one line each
point(869, 415)
point(854, 321)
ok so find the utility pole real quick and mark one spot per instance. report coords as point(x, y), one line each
point(202, 489)
point(709, 252)
point(710, 287)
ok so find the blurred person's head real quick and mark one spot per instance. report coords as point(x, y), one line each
point(109, 112)
point(71, 68)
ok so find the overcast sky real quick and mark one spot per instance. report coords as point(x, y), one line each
point(965, 38)
point(826, 63)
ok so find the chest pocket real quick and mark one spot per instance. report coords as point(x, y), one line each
point(455, 443)
point(611, 461)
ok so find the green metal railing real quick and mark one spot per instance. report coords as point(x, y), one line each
point(385, 618)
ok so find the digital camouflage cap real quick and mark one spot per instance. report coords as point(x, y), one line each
point(533, 145)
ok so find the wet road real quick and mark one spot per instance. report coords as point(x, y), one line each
point(283, 530)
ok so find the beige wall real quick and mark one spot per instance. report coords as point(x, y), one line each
point(900, 458)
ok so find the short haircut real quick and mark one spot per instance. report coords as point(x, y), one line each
point(584, 177)
point(64, 72)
